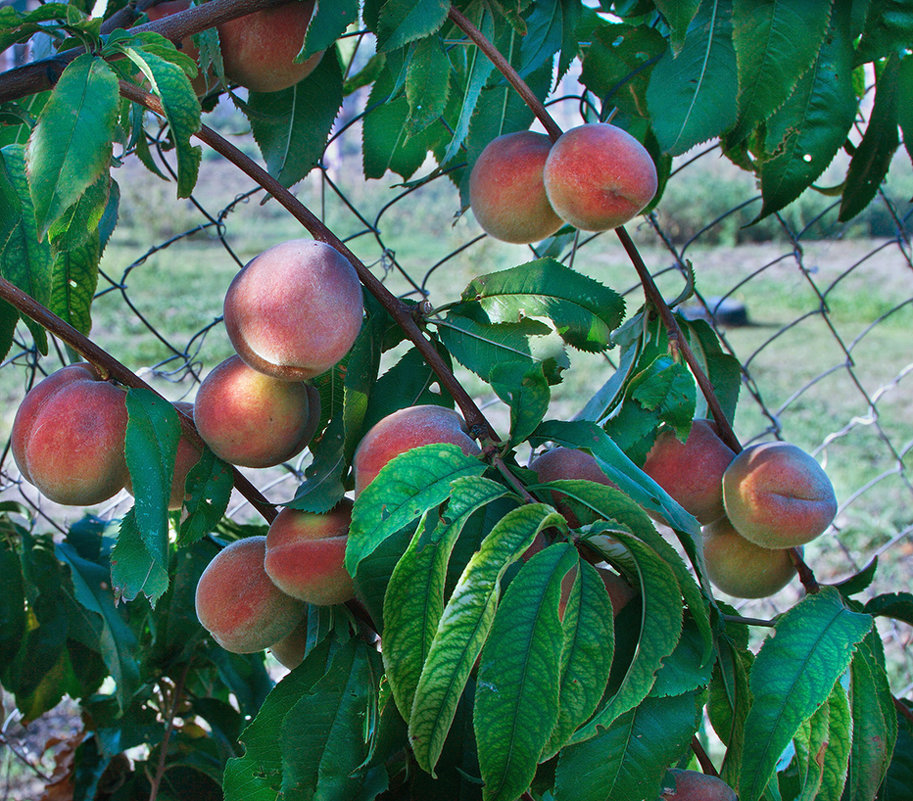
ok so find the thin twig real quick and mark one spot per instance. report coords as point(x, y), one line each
point(177, 695)
point(706, 765)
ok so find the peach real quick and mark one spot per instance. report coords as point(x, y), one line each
point(290, 650)
point(778, 496)
point(68, 437)
point(305, 554)
point(238, 604)
point(186, 457)
point(403, 430)
point(251, 419)
point(506, 192)
point(568, 463)
point(598, 177)
point(692, 471)
point(690, 785)
point(295, 310)
point(620, 591)
point(186, 45)
point(259, 49)
point(739, 567)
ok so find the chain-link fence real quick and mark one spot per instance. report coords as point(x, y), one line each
point(819, 314)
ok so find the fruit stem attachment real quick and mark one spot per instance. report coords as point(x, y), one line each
point(503, 66)
point(806, 576)
point(110, 366)
point(399, 311)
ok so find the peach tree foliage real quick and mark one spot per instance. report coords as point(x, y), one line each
point(480, 680)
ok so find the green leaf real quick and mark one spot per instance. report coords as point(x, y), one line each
point(898, 605)
point(329, 22)
point(79, 224)
point(464, 627)
point(686, 668)
point(322, 737)
point(134, 568)
point(170, 84)
point(727, 707)
point(516, 705)
point(208, 489)
point(629, 759)
point(153, 431)
point(70, 145)
point(793, 673)
point(414, 601)
point(12, 603)
point(118, 644)
point(583, 311)
point(897, 783)
point(323, 486)
point(291, 127)
point(408, 485)
point(872, 159)
point(660, 631)
point(403, 21)
point(723, 369)
point(678, 14)
point(775, 43)
point(427, 83)
point(9, 316)
point(524, 389)
point(586, 656)
point(20, 26)
point(905, 110)
point(888, 28)
point(548, 27)
point(805, 134)
point(692, 96)
point(837, 754)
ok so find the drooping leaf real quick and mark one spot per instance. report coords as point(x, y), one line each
point(686, 668)
point(795, 670)
point(427, 83)
point(692, 96)
point(723, 369)
point(898, 605)
point(583, 311)
point(323, 485)
point(403, 21)
point(134, 568)
point(888, 28)
point(12, 602)
point(208, 484)
point(899, 780)
point(408, 485)
point(905, 110)
point(414, 601)
point(328, 24)
point(678, 14)
point(803, 136)
point(524, 388)
point(70, 145)
point(291, 126)
point(517, 694)
point(775, 44)
point(464, 627)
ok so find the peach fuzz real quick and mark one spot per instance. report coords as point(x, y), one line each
point(68, 437)
point(251, 419)
point(739, 567)
point(259, 49)
point(692, 471)
point(691, 785)
point(295, 310)
point(186, 457)
point(305, 554)
point(560, 463)
point(778, 496)
point(506, 192)
point(403, 430)
point(597, 176)
point(238, 604)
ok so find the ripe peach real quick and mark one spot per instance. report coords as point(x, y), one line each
point(258, 50)
point(689, 785)
point(186, 457)
point(238, 604)
point(251, 419)
point(739, 567)
point(692, 471)
point(620, 591)
point(289, 651)
point(598, 177)
point(166, 9)
point(506, 192)
point(305, 554)
point(68, 437)
point(778, 496)
point(295, 310)
point(403, 430)
point(568, 463)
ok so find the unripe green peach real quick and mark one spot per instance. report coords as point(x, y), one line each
point(251, 419)
point(295, 310)
point(259, 49)
point(403, 430)
point(597, 176)
point(68, 437)
point(689, 785)
point(692, 471)
point(305, 554)
point(186, 457)
point(506, 192)
point(238, 604)
point(560, 463)
point(289, 651)
point(778, 496)
point(739, 567)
